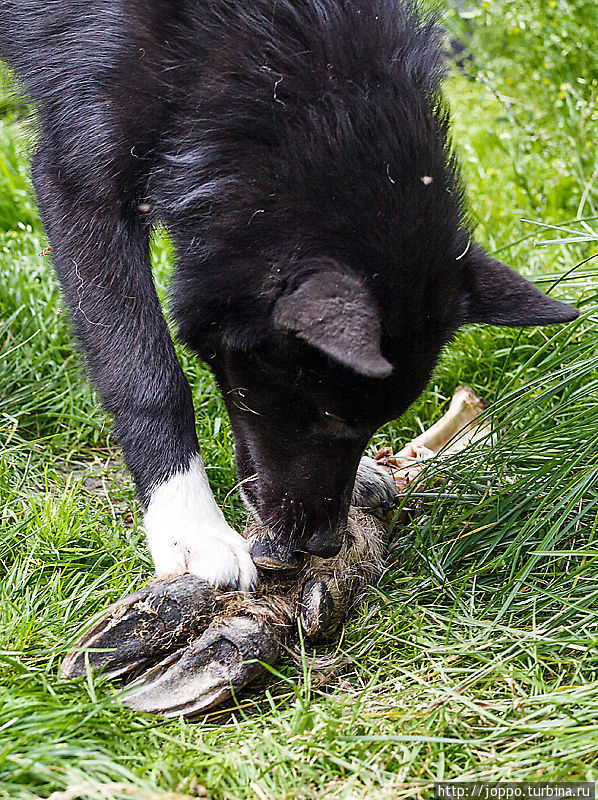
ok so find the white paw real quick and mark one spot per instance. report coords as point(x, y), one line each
point(186, 532)
point(220, 557)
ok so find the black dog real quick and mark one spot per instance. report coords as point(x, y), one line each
point(298, 152)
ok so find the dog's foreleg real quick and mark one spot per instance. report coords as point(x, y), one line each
point(101, 255)
point(178, 507)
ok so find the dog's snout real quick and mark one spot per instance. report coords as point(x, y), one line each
point(326, 543)
point(299, 493)
point(320, 529)
point(297, 526)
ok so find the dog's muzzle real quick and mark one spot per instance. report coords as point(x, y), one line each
point(276, 551)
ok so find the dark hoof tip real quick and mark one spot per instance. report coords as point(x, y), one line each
point(267, 555)
point(317, 613)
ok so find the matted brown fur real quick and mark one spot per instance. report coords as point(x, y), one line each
point(358, 565)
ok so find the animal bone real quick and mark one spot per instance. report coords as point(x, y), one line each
point(458, 428)
point(182, 646)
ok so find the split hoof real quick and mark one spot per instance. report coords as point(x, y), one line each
point(227, 656)
point(143, 626)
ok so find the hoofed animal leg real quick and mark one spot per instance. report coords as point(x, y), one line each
point(182, 647)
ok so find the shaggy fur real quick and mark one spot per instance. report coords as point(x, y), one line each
point(298, 152)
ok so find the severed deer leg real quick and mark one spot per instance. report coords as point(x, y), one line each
point(181, 647)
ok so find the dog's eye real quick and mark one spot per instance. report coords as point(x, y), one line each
point(339, 426)
point(334, 418)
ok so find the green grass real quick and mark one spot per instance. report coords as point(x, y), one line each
point(477, 654)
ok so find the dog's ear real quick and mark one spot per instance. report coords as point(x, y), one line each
point(335, 313)
point(497, 295)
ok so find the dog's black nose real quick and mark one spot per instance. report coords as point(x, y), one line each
point(271, 551)
point(326, 543)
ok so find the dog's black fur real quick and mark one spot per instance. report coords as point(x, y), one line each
point(298, 152)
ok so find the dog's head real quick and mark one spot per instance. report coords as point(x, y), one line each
point(324, 252)
point(338, 356)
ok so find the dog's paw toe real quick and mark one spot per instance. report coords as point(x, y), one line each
point(220, 557)
point(224, 562)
